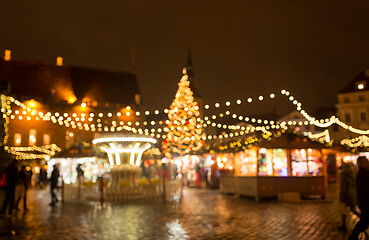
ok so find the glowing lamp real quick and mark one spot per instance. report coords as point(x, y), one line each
point(83, 104)
point(7, 56)
point(360, 86)
point(72, 100)
point(59, 61)
point(32, 103)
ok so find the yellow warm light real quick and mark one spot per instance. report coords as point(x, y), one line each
point(360, 86)
point(83, 104)
point(72, 99)
point(59, 61)
point(7, 55)
point(31, 103)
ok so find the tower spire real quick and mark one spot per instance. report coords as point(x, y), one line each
point(133, 60)
point(189, 64)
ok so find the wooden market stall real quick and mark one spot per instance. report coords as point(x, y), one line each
point(289, 163)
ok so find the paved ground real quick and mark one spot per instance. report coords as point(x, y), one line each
point(201, 214)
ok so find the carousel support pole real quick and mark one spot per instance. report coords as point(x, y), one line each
point(102, 191)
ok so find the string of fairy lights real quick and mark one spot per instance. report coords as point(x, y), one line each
point(360, 141)
point(74, 120)
point(97, 121)
point(44, 152)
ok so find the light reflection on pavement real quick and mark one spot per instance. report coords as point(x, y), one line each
point(201, 214)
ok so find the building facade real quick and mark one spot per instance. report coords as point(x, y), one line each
point(353, 106)
point(65, 105)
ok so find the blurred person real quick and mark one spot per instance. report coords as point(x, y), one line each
point(362, 188)
point(347, 193)
point(80, 172)
point(54, 178)
point(11, 181)
point(29, 174)
point(23, 186)
point(43, 177)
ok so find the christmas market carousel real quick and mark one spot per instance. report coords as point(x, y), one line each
point(127, 178)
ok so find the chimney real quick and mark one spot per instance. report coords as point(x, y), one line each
point(59, 61)
point(7, 56)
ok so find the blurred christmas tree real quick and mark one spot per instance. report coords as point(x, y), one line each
point(184, 129)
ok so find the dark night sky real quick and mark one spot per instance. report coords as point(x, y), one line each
point(239, 48)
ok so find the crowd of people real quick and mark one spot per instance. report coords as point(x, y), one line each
point(354, 195)
point(16, 183)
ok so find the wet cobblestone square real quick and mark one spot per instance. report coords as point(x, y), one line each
point(200, 214)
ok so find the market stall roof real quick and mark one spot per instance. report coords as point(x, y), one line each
point(290, 140)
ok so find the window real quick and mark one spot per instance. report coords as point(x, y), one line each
point(46, 139)
point(348, 117)
point(363, 116)
point(346, 100)
point(361, 98)
point(32, 137)
point(17, 139)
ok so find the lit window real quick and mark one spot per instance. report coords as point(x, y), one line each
point(46, 139)
point(17, 139)
point(32, 137)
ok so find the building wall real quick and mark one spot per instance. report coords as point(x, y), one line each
point(353, 109)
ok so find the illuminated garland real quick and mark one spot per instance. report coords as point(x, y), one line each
point(23, 153)
point(5, 107)
point(324, 123)
point(322, 137)
point(360, 141)
point(78, 120)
